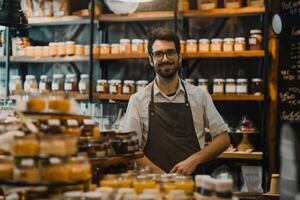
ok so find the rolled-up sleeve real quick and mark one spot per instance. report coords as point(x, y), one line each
point(212, 118)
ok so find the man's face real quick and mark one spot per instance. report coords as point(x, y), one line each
point(165, 59)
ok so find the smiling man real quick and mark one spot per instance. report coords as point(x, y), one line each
point(170, 115)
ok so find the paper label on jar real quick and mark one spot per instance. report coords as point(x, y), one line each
point(53, 122)
point(134, 48)
point(218, 89)
point(42, 86)
point(122, 48)
point(82, 86)
point(72, 122)
point(113, 89)
point(27, 162)
point(126, 89)
point(88, 122)
point(68, 86)
point(55, 86)
point(241, 89)
point(54, 160)
point(252, 41)
point(100, 88)
point(230, 89)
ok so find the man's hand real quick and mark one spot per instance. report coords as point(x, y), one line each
point(186, 167)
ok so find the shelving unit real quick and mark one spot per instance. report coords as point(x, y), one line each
point(242, 156)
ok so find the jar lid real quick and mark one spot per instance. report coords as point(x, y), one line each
point(72, 122)
point(142, 82)
point(115, 81)
point(96, 45)
point(240, 39)
point(256, 80)
point(129, 81)
point(147, 196)
point(71, 76)
point(115, 45)
point(199, 179)
point(73, 194)
point(137, 41)
point(70, 42)
point(55, 160)
point(223, 185)
point(255, 31)
point(86, 46)
point(93, 195)
point(53, 43)
point(191, 41)
point(45, 47)
point(78, 45)
point(125, 190)
point(216, 40)
point(38, 48)
point(182, 42)
point(61, 43)
point(104, 45)
point(202, 80)
point(15, 77)
point(105, 190)
point(241, 80)
point(124, 40)
point(27, 162)
point(101, 81)
point(204, 40)
point(44, 76)
point(145, 41)
point(230, 80)
point(30, 77)
point(84, 76)
point(275, 175)
point(58, 76)
point(228, 40)
point(183, 178)
point(219, 80)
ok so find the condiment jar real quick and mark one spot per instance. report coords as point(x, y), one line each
point(79, 169)
point(256, 3)
point(216, 44)
point(125, 46)
point(102, 86)
point(71, 83)
point(239, 44)
point(79, 50)
point(256, 86)
point(241, 86)
point(255, 39)
point(30, 84)
point(72, 128)
point(88, 128)
point(87, 50)
point(44, 84)
point(207, 4)
point(57, 82)
point(191, 46)
point(232, 3)
point(182, 46)
point(73, 195)
point(184, 183)
point(46, 51)
point(230, 87)
point(223, 189)
point(104, 49)
point(115, 87)
point(143, 182)
point(183, 5)
point(218, 87)
point(70, 48)
point(146, 46)
point(140, 84)
point(137, 46)
point(15, 85)
point(62, 49)
point(26, 169)
point(205, 186)
point(96, 49)
point(115, 49)
point(204, 45)
point(129, 87)
point(203, 83)
point(6, 170)
point(228, 44)
point(38, 51)
point(53, 48)
point(84, 84)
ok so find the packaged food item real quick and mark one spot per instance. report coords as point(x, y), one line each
point(46, 51)
point(53, 48)
point(38, 8)
point(15, 85)
point(167, 183)
point(207, 4)
point(70, 48)
point(52, 145)
point(140, 84)
point(137, 46)
point(26, 169)
point(125, 46)
point(185, 183)
point(228, 44)
point(6, 168)
point(240, 44)
point(218, 87)
point(30, 84)
point(115, 87)
point(110, 180)
point(129, 87)
point(36, 104)
point(216, 44)
point(143, 182)
point(230, 87)
point(232, 3)
point(44, 84)
point(73, 195)
point(48, 8)
point(71, 83)
point(96, 149)
point(203, 83)
point(223, 189)
point(182, 46)
point(72, 128)
point(191, 46)
point(79, 169)
point(204, 45)
point(115, 49)
point(60, 8)
point(26, 146)
point(256, 3)
point(89, 129)
point(102, 86)
point(183, 5)
point(79, 50)
point(104, 49)
point(256, 86)
point(62, 105)
point(54, 169)
point(61, 49)
point(38, 51)
point(241, 86)
point(84, 84)
point(255, 39)
point(57, 83)
point(96, 49)
point(205, 186)
point(86, 50)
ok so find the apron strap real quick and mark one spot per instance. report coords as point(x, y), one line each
point(151, 104)
point(185, 94)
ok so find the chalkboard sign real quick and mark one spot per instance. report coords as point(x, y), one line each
point(289, 62)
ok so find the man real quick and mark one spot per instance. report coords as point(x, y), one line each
point(170, 115)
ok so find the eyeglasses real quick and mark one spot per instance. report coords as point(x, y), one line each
point(170, 53)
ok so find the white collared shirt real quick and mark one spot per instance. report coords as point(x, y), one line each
point(205, 114)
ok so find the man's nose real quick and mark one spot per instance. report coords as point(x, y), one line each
point(165, 57)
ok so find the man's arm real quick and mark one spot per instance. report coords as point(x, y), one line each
point(146, 162)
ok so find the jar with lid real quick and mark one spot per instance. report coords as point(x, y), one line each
point(239, 44)
point(104, 49)
point(87, 50)
point(190, 81)
point(256, 86)
point(129, 87)
point(204, 45)
point(146, 46)
point(30, 84)
point(137, 46)
point(6, 168)
point(15, 85)
point(57, 83)
point(183, 5)
point(44, 84)
point(96, 149)
point(115, 49)
point(70, 48)
point(53, 145)
point(228, 44)
point(115, 87)
point(79, 169)
point(26, 146)
point(71, 83)
point(102, 86)
point(230, 87)
point(72, 128)
point(125, 46)
point(207, 4)
point(54, 169)
point(140, 84)
point(204, 186)
point(241, 86)
point(223, 189)
point(203, 83)
point(218, 87)
point(184, 183)
point(126, 180)
point(38, 51)
point(62, 49)
point(191, 46)
point(96, 49)
point(46, 51)
point(110, 180)
point(84, 84)
point(89, 128)
point(143, 182)
point(79, 50)
point(232, 3)
point(53, 49)
point(182, 46)
point(167, 183)
point(255, 3)
point(255, 39)
point(26, 169)
point(216, 44)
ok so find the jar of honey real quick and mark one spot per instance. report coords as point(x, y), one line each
point(185, 183)
point(115, 87)
point(70, 48)
point(143, 182)
point(57, 83)
point(140, 84)
point(104, 49)
point(191, 46)
point(102, 86)
point(137, 46)
point(15, 85)
point(125, 46)
point(71, 83)
point(204, 45)
point(44, 84)
point(129, 87)
point(115, 49)
point(72, 128)
point(84, 84)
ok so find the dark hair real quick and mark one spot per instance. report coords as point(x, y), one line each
point(163, 34)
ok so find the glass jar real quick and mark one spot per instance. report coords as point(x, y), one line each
point(89, 128)
point(255, 39)
point(38, 51)
point(53, 49)
point(72, 128)
point(182, 46)
point(190, 81)
point(223, 189)
point(87, 50)
point(232, 3)
point(230, 87)
point(203, 83)
point(52, 145)
point(129, 87)
point(54, 169)
point(204, 186)
point(241, 86)
point(104, 49)
point(143, 182)
point(79, 50)
point(26, 146)
point(228, 44)
point(36, 104)
point(204, 45)
point(115, 87)
point(191, 46)
point(46, 51)
point(29, 51)
point(115, 49)
point(84, 84)
point(26, 169)
point(141, 84)
point(146, 46)
point(71, 83)
point(207, 4)
point(30, 84)
point(96, 49)
point(126, 180)
point(167, 183)
point(102, 86)
point(15, 85)
point(125, 46)
point(79, 169)
point(137, 46)
point(239, 44)
point(183, 5)
point(70, 48)
point(110, 180)
point(256, 3)
point(256, 86)
point(218, 87)
point(62, 49)
point(6, 168)
point(44, 84)
point(57, 83)
point(216, 44)
point(96, 149)
point(185, 183)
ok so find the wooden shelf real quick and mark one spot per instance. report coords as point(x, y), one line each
point(244, 156)
point(235, 97)
point(224, 12)
point(52, 21)
point(256, 53)
point(122, 56)
point(24, 59)
point(103, 162)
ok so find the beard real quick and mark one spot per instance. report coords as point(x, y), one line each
point(167, 70)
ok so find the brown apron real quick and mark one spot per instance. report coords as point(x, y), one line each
point(171, 135)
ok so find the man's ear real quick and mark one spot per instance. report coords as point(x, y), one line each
point(151, 61)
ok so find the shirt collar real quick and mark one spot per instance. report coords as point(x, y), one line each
point(157, 91)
